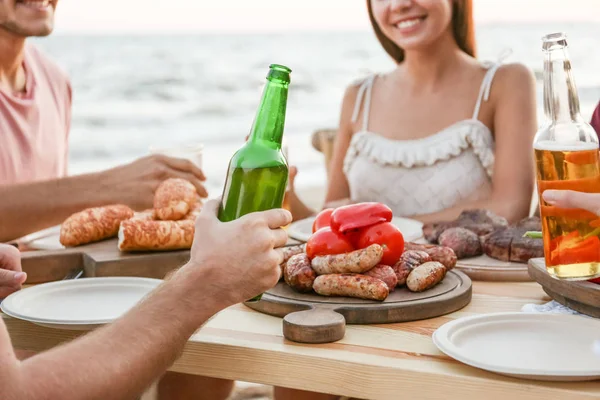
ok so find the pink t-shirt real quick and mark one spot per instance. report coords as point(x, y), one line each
point(34, 126)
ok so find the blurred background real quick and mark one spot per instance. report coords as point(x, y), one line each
point(149, 73)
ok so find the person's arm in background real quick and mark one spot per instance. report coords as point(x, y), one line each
point(120, 360)
point(29, 207)
point(297, 207)
point(338, 190)
point(515, 125)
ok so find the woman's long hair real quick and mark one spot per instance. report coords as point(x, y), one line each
point(463, 27)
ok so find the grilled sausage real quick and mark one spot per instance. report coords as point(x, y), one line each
point(288, 252)
point(444, 255)
point(425, 276)
point(409, 260)
point(357, 262)
point(386, 274)
point(298, 273)
point(174, 198)
point(93, 224)
point(351, 285)
point(401, 270)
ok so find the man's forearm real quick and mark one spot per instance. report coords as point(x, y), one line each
point(29, 207)
point(121, 360)
point(298, 209)
point(512, 210)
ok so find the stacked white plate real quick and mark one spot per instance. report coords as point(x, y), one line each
point(46, 239)
point(79, 304)
point(550, 347)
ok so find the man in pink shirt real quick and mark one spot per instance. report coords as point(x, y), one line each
point(35, 117)
point(36, 114)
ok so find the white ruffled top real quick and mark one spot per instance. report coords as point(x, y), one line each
point(424, 175)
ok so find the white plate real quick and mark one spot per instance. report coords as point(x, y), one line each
point(46, 243)
point(80, 304)
point(549, 347)
point(47, 239)
point(411, 229)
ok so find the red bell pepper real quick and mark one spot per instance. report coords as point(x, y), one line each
point(572, 249)
point(554, 243)
point(358, 216)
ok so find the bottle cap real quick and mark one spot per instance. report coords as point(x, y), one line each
point(554, 40)
point(280, 72)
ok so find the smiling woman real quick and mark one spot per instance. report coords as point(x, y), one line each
point(442, 132)
point(463, 27)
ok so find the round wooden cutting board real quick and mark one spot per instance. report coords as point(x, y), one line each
point(311, 318)
point(581, 296)
point(485, 268)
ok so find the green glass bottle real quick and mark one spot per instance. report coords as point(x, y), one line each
point(258, 172)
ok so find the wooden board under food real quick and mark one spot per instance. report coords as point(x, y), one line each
point(581, 296)
point(311, 318)
point(99, 259)
point(485, 268)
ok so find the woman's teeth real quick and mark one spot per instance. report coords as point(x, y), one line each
point(37, 4)
point(409, 23)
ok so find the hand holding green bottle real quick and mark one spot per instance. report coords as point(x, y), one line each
point(258, 172)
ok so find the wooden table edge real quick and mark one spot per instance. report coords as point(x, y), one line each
point(284, 369)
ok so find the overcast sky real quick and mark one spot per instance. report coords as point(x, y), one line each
point(281, 15)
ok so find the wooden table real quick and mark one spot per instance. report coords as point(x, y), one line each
point(395, 361)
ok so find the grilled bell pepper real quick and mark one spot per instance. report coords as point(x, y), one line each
point(357, 216)
point(572, 249)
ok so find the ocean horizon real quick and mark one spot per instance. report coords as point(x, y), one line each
point(136, 91)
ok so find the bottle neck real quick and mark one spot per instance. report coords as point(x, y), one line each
point(561, 102)
point(268, 125)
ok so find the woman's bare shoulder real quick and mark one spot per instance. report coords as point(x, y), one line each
point(349, 105)
point(354, 86)
point(352, 91)
point(514, 78)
